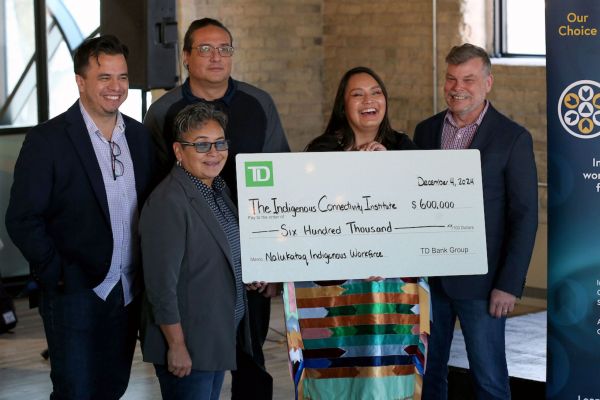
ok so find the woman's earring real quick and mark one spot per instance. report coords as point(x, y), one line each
point(178, 163)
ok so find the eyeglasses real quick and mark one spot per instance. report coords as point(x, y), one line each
point(117, 166)
point(204, 147)
point(206, 50)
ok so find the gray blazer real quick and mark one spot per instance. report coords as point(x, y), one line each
point(188, 271)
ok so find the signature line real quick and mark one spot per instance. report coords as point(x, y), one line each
point(422, 226)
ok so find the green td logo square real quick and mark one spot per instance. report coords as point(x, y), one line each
point(259, 173)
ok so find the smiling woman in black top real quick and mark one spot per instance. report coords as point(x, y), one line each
point(370, 337)
point(359, 119)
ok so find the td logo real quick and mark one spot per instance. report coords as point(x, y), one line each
point(259, 173)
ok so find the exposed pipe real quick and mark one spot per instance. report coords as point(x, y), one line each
point(41, 61)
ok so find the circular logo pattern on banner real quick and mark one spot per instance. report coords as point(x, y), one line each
point(579, 109)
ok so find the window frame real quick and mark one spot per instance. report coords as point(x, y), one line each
point(500, 34)
point(72, 36)
point(41, 68)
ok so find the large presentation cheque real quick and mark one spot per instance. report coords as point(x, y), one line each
point(326, 216)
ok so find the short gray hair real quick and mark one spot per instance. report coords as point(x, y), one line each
point(195, 116)
point(462, 54)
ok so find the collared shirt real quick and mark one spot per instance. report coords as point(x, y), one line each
point(122, 207)
point(229, 224)
point(190, 98)
point(454, 137)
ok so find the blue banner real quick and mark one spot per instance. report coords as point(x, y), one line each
point(573, 82)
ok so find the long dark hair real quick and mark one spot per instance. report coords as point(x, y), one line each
point(339, 135)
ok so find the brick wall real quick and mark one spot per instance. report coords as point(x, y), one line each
point(394, 38)
point(520, 92)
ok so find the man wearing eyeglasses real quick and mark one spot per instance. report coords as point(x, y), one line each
point(254, 124)
point(73, 213)
point(253, 127)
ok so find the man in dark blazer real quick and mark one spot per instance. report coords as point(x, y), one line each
point(73, 213)
point(482, 302)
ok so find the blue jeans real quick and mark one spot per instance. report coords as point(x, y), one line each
point(90, 343)
point(199, 385)
point(484, 340)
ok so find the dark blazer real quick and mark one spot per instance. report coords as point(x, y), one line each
point(188, 271)
point(58, 211)
point(510, 202)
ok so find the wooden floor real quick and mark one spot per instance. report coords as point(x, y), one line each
point(24, 374)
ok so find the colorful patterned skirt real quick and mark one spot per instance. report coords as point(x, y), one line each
point(356, 339)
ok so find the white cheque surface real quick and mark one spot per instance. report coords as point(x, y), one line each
point(325, 216)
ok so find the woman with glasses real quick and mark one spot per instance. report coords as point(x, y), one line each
point(371, 335)
point(195, 308)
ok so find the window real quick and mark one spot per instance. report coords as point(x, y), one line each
point(519, 28)
point(17, 67)
point(22, 100)
point(68, 23)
